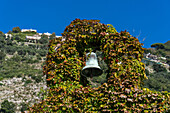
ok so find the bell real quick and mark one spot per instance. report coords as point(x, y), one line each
point(92, 68)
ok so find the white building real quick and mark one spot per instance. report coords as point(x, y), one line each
point(8, 35)
point(48, 34)
point(28, 30)
point(58, 36)
point(35, 37)
point(163, 58)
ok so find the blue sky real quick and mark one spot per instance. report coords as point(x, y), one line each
point(145, 19)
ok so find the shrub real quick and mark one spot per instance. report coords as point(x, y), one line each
point(147, 72)
point(159, 81)
point(42, 52)
point(1, 78)
point(158, 67)
point(24, 107)
point(7, 107)
point(2, 55)
point(16, 58)
point(38, 57)
point(28, 81)
point(19, 75)
point(158, 46)
point(21, 51)
point(37, 78)
point(168, 61)
point(44, 39)
point(16, 30)
point(2, 39)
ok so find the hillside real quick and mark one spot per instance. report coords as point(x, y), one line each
point(157, 61)
point(22, 55)
point(21, 62)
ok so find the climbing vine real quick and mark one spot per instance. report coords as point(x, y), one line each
point(70, 92)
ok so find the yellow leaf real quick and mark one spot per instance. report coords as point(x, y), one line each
point(83, 36)
point(115, 75)
point(101, 105)
point(105, 46)
point(64, 108)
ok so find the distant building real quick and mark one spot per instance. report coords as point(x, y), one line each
point(163, 58)
point(58, 36)
point(28, 30)
point(8, 35)
point(48, 34)
point(35, 37)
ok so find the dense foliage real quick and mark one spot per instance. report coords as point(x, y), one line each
point(159, 81)
point(16, 30)
point(70, 92)
point(158, 45)
point(162, 49)
point(7, 107)
point(24, 107)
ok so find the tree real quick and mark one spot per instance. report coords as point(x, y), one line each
point(9, 42)
point(159, 81)
point(11, 49)
point(21, 51)
point(24, 107)
point(53, 35)
point(37, 78)
point(147, 72)
point(167, 46)
point(159, 68)
point(161, 52)
point(44, 39)
point(31, 52)
point(168, 61)
point(16, 30)
point(16, 58)
point(2, 39)
point(158, 46)
point(2, 55)
point(42, 52)
point(167, 43)
point(2, 34)
point(19, 37)
point(9, 32)
point(7, 107)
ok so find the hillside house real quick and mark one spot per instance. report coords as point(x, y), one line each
point(28, 30)
point(35, 37)
point(154, 57)
point(8, 35)
point(47, 33)
point(57, 36)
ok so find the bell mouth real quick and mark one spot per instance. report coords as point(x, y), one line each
point(92, 71)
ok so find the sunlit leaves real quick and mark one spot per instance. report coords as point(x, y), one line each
point(122, 92)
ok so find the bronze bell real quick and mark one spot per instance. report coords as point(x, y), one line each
point(92, 68)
